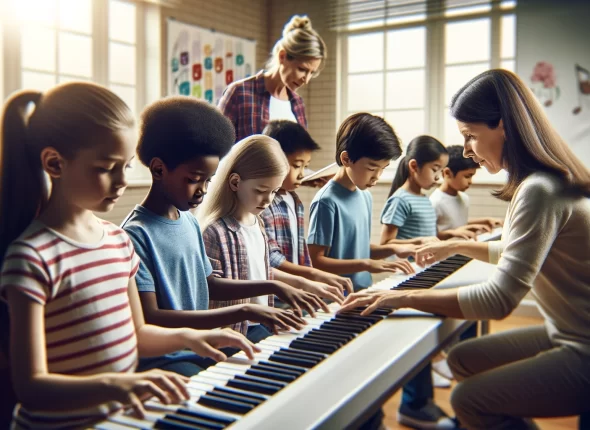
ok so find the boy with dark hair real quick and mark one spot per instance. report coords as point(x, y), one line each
point(339, 240)
point(181, 141)
point(284, 218)
point(450, 201)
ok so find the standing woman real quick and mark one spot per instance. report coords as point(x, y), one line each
point(272, 93)
point(541, 371)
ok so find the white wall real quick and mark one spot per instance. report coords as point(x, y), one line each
point(558, 32)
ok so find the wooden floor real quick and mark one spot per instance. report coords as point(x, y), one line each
point(442, 396)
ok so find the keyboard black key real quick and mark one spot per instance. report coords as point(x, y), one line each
point(236, 397)
point(271, 375)
point(292, 360)
point(168, 424)
point(310, 345)
point(200, 422)
point(250, 395)
point(206, 415)
point(225, 404)
point(255, 387)
point(258, 379)
point(291, 370)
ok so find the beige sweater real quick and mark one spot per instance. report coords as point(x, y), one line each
point(545, 249)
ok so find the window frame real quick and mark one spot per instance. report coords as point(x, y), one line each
point(100, 38)
point(435, 65)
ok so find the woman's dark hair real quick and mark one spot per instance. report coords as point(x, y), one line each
point(423, 149)
point(532, 144)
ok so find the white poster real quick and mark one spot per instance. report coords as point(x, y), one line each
point(203, 62)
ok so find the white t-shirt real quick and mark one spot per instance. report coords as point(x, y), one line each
point(280, 109)
point(255, 247)
point(451, 211)
point(288, 198)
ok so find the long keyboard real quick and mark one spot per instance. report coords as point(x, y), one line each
point(329, 375)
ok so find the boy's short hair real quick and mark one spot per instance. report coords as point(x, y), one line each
point(292, 136)
point(457, 162)
point(178, 129)
point(366, 135)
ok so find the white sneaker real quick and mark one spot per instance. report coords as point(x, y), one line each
point(442, 368)
point(439, 381)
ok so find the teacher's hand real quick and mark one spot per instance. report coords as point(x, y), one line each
point(373, 300)
point(433, 252)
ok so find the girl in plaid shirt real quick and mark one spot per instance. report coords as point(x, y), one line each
point(233, 232)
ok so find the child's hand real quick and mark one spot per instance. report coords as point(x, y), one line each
point(277, 319)
point(206, 343)
point(322, 290)
point(425, 240)
point(131, 389)
point(494, 222)
point(403, 250)
point(300, 300)
point(462, 233)
point(478, 228)
point(342, 283)
point(380, 266)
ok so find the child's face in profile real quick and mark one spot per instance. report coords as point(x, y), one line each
point(365, 172)
point(186, 185)
point(298, 162)
point(428, 175)
point(461, 181)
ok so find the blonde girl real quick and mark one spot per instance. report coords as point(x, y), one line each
point(245, 184)
point(76, 325)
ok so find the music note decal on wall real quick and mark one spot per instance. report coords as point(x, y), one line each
point(583, 80)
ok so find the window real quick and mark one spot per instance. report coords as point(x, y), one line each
point(405, 62)
point(56, 42)
point(74, 40)
point(123, 51)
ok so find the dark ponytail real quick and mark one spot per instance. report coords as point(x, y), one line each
point(21, 176)
point(423, 149)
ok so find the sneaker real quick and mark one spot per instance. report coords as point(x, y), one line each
point(442, 368)
point(439, 381)
point(427, 418)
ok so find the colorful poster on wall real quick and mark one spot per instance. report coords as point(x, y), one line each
point(203, 62)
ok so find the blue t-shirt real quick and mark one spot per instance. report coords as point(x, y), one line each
point(413, 215)
point(341, 220)
point(174, 264)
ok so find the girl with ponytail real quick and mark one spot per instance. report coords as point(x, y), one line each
point(408, 215)
point(76, 324)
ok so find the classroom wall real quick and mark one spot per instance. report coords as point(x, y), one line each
point(263, 20)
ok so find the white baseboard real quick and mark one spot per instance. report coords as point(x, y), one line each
point(527, 308)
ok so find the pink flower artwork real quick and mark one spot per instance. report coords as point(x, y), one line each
point(544, 73)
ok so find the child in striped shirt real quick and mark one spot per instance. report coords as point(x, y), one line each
point(76, 324)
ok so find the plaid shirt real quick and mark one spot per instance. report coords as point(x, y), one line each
point(246, 104)
point(228, 255)
point(278, 230)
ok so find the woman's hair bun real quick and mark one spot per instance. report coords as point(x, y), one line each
point(297, 22)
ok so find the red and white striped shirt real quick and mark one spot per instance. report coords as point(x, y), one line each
point(88, 323)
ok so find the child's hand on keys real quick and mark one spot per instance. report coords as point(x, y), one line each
point(322, 290)
point(379, 266)
point(277, 319)
point(462, 233)
point(300, 300)
point(206, 343)
point(478, 228)
point(131, 389)
point(342, 283)
point(403, 250)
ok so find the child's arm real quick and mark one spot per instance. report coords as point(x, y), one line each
point(324, 291)
point(311, 273)
point(154, 341)
point(433, 252)
point(341, 267)
point(389, 236)
point(37, 389)
point(230, 289)
point(489, 221)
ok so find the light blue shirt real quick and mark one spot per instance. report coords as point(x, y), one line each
point(174, 264)
point(340, 219)
point(413, 215)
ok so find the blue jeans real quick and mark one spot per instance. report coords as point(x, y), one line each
point(187, 363)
